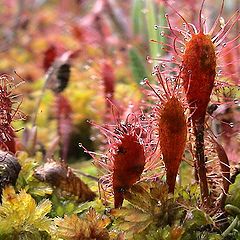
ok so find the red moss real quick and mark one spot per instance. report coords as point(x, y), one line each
point(199, 70)
point(172, 134)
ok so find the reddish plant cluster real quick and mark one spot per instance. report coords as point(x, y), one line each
point(172, 137)
point(185, 85)
point(8, 113)
point(127, 157)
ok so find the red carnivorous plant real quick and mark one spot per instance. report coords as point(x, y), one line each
point(171, 124)
point(127, 158)
point(8, 113)
point(198, 52)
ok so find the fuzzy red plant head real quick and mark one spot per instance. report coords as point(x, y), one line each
point(172, 136)
point(198, 74)
point(199, 52)
point(108, 82)
point(108, 77)
point(171, 124)
point(63, 113)
point(49, 56)
point(8, 113)
point(127, 157)
point(128, 161)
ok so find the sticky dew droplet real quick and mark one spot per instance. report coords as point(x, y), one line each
point(148, 59)
point(156, 68)
point(144, 81)
point(236, 101)
point(222, 22)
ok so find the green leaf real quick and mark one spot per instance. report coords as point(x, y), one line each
point(137, 16)
point(234, 193)
point(162, 22)
point(197, 218)
point(130, 214)
point(137, 65)
point(19, 214)
point(91, 226)
point(151, 20)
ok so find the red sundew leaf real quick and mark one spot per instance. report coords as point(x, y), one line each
point(8, 113)
point(9, 144)
point(49, 56)
point(58, 74)
point(125, 159)
point(199, 70)
point(173, 136)
point(129, 161)
point(64, 118)
point(108, 78)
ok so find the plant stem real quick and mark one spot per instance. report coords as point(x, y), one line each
point(39, 100)
point(201, 169)
point(231, 227)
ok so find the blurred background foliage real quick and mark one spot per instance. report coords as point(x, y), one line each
point(34, 33)
point(109, 43)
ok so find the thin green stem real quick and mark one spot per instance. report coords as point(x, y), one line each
point(230, 228)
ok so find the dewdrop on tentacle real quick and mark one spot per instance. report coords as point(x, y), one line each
point(172, 126)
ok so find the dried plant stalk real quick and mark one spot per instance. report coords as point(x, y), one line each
point(59, 175)
point(9, 170)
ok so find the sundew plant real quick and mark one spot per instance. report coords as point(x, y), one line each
point(120, 120)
